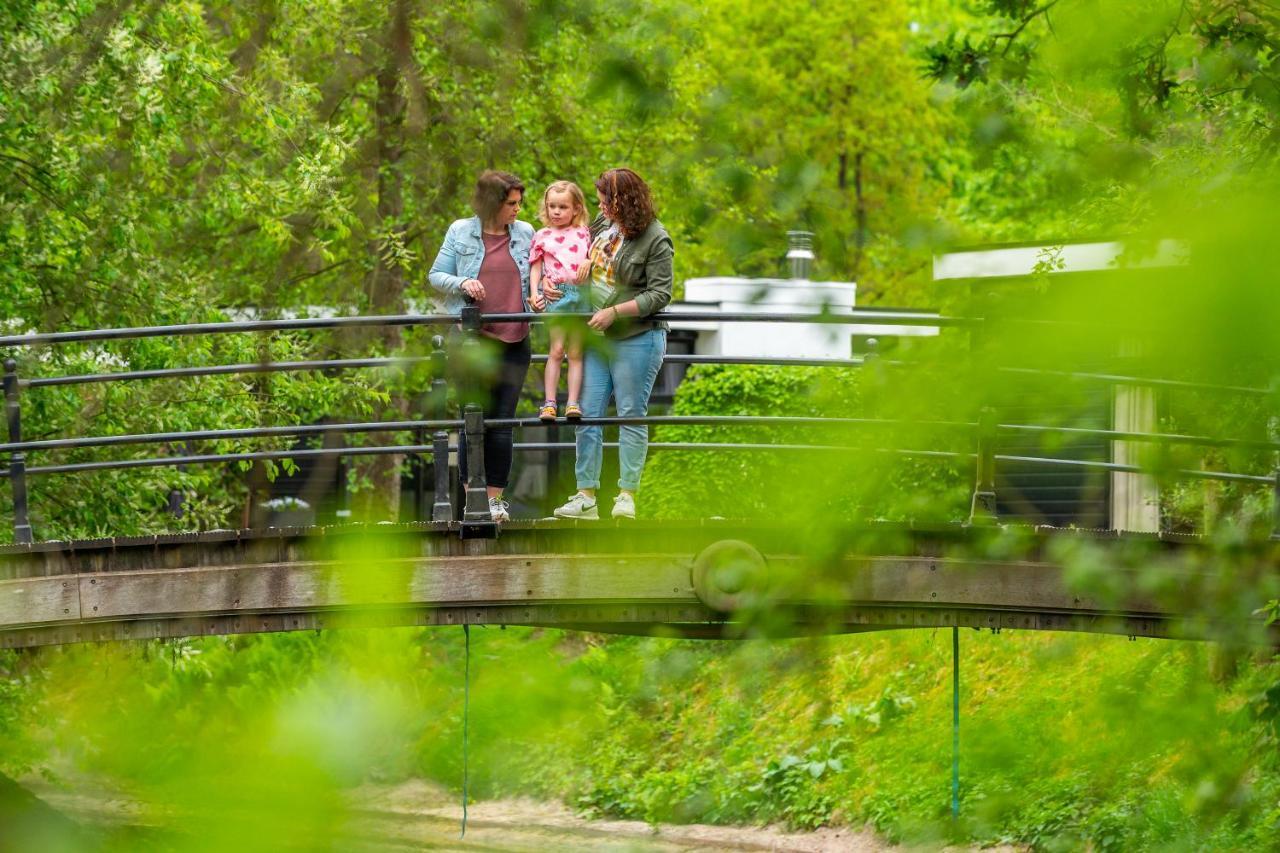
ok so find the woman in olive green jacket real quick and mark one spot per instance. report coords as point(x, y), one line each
point(631, 277)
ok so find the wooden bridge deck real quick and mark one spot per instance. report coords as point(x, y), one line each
point(714, 579)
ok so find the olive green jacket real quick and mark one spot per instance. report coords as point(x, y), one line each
point(642, 272)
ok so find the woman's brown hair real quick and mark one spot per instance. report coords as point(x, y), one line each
point(627, 197)
point(492, 189)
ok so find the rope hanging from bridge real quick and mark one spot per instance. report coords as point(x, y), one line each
point(955, 722)
point(466, 713)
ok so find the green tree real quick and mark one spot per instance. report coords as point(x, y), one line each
point(812, 115)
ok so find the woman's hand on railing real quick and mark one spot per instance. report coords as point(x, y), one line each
point(473, 288)
point(603, 318)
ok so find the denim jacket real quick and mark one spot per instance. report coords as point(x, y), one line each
point(462, 253)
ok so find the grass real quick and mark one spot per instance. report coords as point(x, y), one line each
point(1066, 740)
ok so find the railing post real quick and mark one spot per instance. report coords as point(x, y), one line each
point(471, 318)
point(442, 508)
point(342, 514)
point(983, 507)
point(477, 522)
point(176, 496)
point(437, 407)
point(419, 469)
point(175, 500)
point(17, 460)
point(1275, 505)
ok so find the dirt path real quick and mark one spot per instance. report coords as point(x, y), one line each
point(415, 814)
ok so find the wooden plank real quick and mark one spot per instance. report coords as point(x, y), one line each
point(1015, 585)
point(307, 586)
point(36, 601)
point(497, 579)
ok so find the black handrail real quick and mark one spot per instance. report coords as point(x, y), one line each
point(226, 434)
point(1147, 437)
point(206, 459)
point(1141, 381)
point(671, 358)
point(222, 370)
point(652, 420)
point(733, 420)
point(428, 449)
point(447, 424)
point(985, 430)
point(405, 361)
point(855, 317)
point(226, 327)
point(1189, 473)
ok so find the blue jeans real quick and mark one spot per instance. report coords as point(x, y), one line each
point(624, 370)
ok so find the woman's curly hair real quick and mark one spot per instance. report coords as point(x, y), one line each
point(628, 200)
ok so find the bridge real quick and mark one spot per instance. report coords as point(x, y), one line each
point(712, 578)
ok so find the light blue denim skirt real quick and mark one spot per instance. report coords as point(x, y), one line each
point(576, 300)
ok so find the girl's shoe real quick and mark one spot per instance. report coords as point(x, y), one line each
point(498, 510)
point(573, 412)
point(547, 413)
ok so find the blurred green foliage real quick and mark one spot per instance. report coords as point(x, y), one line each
point(193, 161)
point(852, 479)
point(1066, 740)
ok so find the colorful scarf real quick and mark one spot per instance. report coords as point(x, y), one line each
point(603, 256)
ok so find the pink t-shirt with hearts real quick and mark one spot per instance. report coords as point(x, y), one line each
point(562, 251)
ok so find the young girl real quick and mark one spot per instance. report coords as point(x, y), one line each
point(557, 253)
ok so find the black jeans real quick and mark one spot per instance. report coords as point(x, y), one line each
point(500, 368)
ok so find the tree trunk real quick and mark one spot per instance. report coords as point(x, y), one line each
point(859, 206)
point(386, 285)
point(860, 213)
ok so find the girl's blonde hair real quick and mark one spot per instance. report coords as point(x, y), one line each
point(575, 192)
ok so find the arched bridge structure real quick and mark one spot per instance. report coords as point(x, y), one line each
point(699, 578)
point(719, 579)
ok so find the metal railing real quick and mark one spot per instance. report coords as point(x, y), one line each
point(476, 522)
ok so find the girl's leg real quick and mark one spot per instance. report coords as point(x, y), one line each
point(597, 386)
point(573, 347)
point(636, 363)
point(551, 376)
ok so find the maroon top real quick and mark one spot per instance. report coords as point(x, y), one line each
point(503, 289)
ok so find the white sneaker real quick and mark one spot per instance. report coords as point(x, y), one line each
point(624, 506)
point(578, 506)
point(498, 510)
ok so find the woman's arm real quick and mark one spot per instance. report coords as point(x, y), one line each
point(444, 271)
point(657, 295)
point(536, 299)
point(659, 278)
point(605, 317)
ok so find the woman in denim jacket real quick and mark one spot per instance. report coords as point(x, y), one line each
point(485, 258)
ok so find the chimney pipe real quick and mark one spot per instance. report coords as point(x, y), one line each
point(800, 254)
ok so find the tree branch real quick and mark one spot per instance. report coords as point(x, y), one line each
point(1022, 25)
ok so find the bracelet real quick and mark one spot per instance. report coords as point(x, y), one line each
point(615, 312)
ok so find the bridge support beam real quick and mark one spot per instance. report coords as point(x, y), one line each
point(700, 580)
